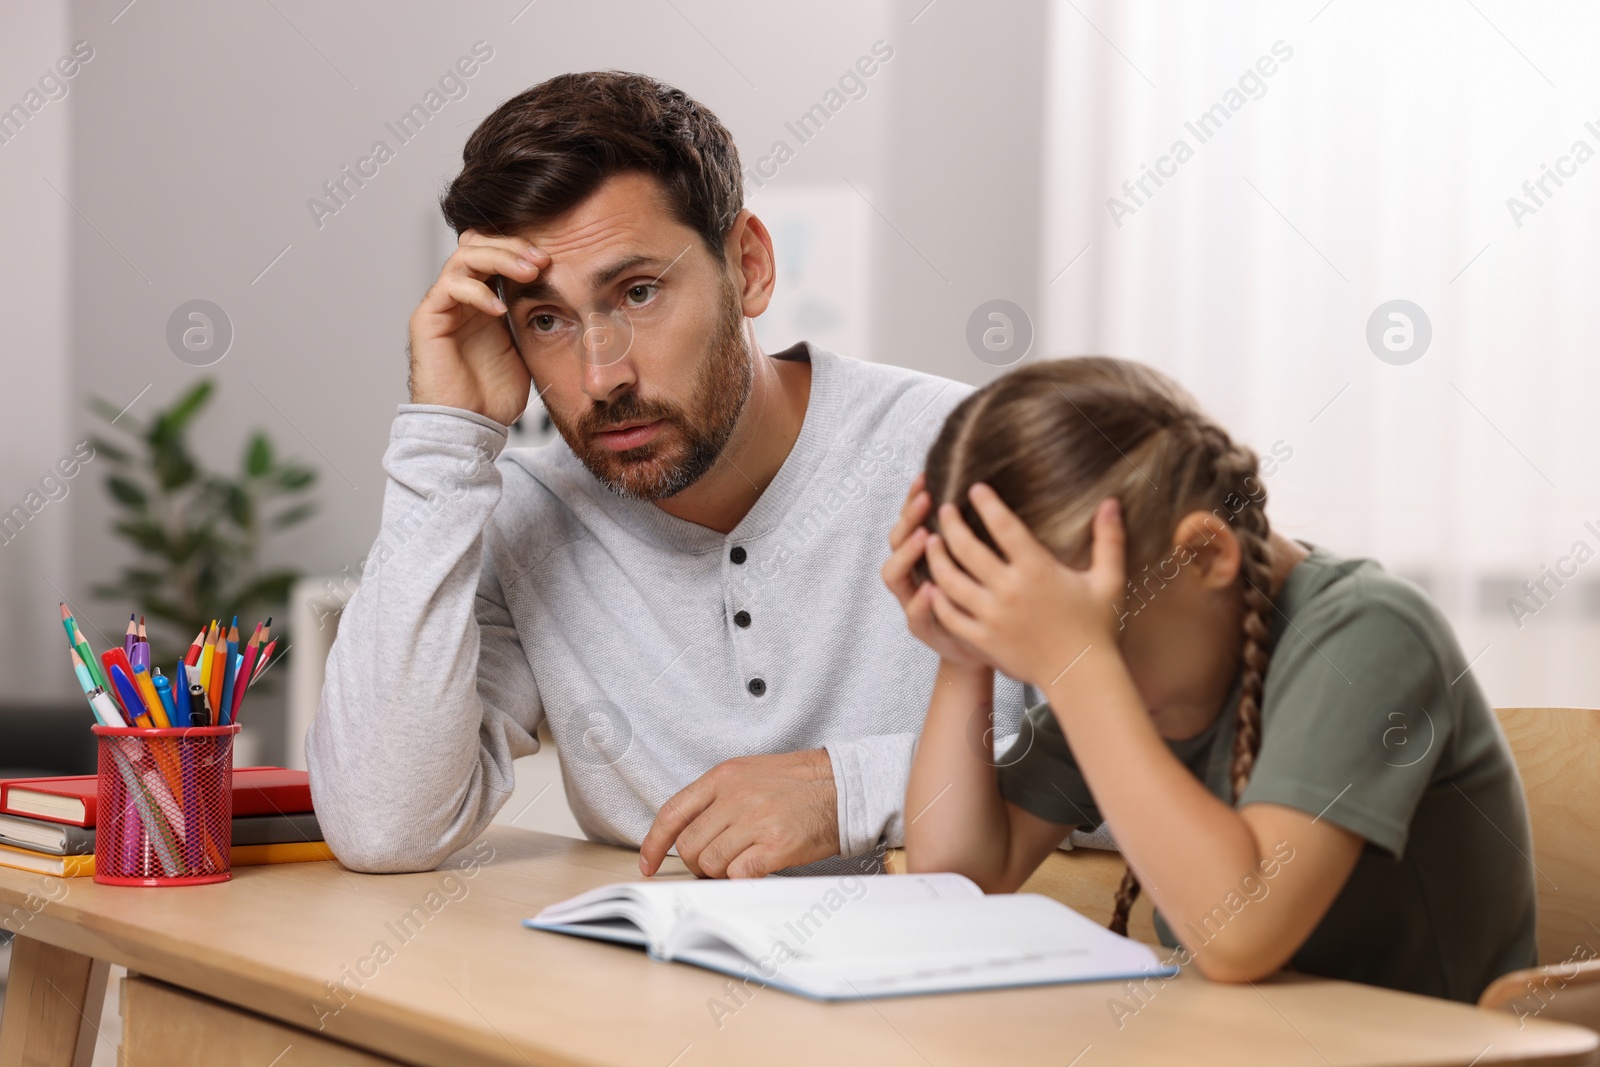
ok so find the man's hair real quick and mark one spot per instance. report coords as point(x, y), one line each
point(545, 150)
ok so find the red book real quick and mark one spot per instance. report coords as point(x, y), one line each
point(73, 798)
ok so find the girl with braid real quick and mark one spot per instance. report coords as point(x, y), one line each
point(1286, 745)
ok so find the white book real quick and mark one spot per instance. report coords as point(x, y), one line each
point(856, 936)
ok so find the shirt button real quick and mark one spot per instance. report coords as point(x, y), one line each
point(757, 687)
point(737, 554)
point(742, 618)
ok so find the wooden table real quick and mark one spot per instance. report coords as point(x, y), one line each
point(462, 982)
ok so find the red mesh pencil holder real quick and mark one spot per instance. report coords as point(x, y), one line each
point(166, 805)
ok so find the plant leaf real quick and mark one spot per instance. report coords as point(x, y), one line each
point(128, 493)
point(174, 469)
point(298, 513)
point(147, 535)
point(134, 578)
point(293, 476)
point(258, 455)
point(108, 411)
point(109, 451)
point(178, 416)
point(239, 507)
point(272, 588)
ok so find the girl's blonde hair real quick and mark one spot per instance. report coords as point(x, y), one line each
point(1055, 438)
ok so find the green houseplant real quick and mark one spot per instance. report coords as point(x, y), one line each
point(198, 532)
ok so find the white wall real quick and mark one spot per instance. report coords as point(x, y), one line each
point(36, 430)
point(959, 207)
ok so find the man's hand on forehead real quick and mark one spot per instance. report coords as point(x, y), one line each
point(461, 354)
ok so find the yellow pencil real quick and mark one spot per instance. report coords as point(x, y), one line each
point(205, 662)
point(152, 699)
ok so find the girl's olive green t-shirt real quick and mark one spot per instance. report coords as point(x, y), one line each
point(1371, 719)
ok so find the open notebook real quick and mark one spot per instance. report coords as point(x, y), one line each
point(856, 936)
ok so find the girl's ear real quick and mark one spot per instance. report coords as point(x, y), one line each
point(1205, 545)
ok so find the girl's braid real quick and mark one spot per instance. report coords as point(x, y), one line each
point(1236, 479)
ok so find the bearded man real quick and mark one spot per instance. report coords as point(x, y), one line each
point(686, 585)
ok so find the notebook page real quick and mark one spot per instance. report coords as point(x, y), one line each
point(658, 909)
point(670, 898)
point(917, 946)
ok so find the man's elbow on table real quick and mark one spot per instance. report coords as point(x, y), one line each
point(376, 834)
point(383, 846)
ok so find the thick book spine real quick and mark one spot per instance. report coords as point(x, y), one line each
point(75, 840)
point(275, 829)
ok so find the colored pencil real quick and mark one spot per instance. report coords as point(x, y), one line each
point(232, 670)
point(193, 658)
point(261, 664)
point(266, 643)
point(129, 638)
point(251, 650)
point(85, 680)
point(205, 660)
point(219, 670)
point(81, 642)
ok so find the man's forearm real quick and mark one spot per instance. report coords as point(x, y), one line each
point(869, 775)
point(397, 768)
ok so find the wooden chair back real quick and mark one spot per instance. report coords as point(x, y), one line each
point(1558, 755)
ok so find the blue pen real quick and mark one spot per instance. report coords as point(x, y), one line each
point(180, 689)
point(128, 693)
point(163, 686)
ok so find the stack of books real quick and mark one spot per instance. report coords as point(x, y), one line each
point(47, 824)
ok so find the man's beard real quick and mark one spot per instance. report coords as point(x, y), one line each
point(689, 442)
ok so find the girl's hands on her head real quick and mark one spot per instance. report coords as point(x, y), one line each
point(1028, 614)
point(908, 540)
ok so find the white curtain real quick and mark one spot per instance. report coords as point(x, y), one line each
point(1357, 153)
